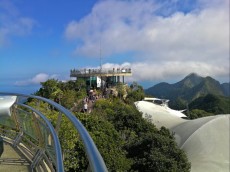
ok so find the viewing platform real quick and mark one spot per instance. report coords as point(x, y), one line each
point(101, 78)
point(100, 72)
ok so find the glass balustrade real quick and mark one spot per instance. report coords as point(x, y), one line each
point(29, 130)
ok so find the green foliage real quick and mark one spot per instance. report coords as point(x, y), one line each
point(126, 141)
point(188, 89)
point(106, 138)
point(67, 94)
point(108, 141)
point(177, 104)
point(212, 104)
point(198, 113)
point(69, 98)
point(120, 90)
point(135, 93)
point(68, 136)
point(122, 116)
point(149, 148)
point(157, 152)
point(226, 89)
point(48, 89)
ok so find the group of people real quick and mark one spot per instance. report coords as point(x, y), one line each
point(88, 101)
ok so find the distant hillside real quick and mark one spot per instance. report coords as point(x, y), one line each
point(212, 104)
point(226, 88)
point(188, 89)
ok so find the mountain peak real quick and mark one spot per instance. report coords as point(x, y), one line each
point(189, 88)
point(190, 80)
point(193, 75)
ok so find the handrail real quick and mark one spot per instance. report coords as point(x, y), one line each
point(96, 161)
point(59, 161)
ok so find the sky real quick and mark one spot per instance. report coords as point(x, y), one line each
point(161, 40)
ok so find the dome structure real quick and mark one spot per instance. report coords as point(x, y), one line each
point(206, 140)
point(160, 115)
point(5, 104)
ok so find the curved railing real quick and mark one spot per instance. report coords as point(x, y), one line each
point(45, 129)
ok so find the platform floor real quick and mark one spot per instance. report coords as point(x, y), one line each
point(13, 160)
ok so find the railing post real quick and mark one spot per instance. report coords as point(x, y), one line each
point(37, 158)
point(15, 118)
point(38, 130)
point(58, 125)
point(17, 139)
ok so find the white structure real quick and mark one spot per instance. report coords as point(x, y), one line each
point(99, 82)
point(5, 104)
point(206, 140)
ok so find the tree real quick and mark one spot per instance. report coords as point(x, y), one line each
point(106, 138)
point(149, 148)
point(69, 98)
point(135, 93)
point(108, 141)
point(157, 152)
point(50, 89)
point(121, 89)
point(198, 113)
point(65, 93)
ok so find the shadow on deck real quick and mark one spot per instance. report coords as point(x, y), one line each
point(12, 160)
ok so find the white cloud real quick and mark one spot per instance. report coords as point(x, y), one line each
point(36, 80)
point(12, 23)
point(142, 71)
point(197, 41)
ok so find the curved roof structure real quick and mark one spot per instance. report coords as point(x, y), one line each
point(206, 140)
point(5, 103)
point(160, 115)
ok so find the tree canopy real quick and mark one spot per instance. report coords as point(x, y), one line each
point(126, 141)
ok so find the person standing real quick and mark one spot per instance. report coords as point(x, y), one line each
point(85, 107)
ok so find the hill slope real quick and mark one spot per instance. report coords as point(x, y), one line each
point(188, 89)
point(212, 103)
point(226, 88)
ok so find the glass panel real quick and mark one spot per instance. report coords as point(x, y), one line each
point(26, 123)
point(7, 121)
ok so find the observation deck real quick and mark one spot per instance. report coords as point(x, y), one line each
point(101, 78)
point(30, 141)
point(100, 72)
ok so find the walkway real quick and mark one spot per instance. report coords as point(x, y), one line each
point(13, 161)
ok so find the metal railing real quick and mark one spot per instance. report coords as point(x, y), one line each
point(98, 72)
point(42, 142)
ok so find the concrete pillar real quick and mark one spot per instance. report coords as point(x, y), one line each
point(118, 78)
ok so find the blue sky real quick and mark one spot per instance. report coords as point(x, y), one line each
point(161, 40)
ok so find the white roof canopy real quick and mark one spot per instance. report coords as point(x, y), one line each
point(206, 140)
point(5, 104)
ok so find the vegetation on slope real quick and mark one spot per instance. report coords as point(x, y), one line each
point(203, 96)
point(188, 89)
point(212, 103)
point(126, 141)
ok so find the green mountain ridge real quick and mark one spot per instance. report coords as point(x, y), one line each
point(188, 89)
point(226, 89)
point(210, 103)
